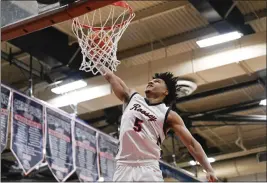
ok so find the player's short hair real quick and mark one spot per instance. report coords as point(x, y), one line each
point(171, 83)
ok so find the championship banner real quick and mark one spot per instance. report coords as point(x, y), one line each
point(5, 108)
point(86, 153)
point(27, 126)
point(108, 148)
point(59, 148)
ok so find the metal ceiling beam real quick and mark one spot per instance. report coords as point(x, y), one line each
point(231, 118)
point(263, 79)
point(230, 155)
point(53, 44)
point(238, 109)
point(158, 9)
point(218, 91)
point(18, 53)
point(228, 109)
point(94, 120)
point(167, 42)
point(19, 64)
point(255, 15)
point(153, 11)
point(206, 10)
point(228, 124)
point(223, 15)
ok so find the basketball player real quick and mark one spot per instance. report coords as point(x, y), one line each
point(144, 125)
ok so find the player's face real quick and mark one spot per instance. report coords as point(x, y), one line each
point(157, 86)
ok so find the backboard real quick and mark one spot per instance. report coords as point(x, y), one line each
point(23, 17)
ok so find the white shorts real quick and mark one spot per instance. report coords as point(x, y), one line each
point(149, 173)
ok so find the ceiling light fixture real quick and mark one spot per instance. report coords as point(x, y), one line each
point(219, 39)
point(76, 97)
point(263, 102)
point(211, 160)
point(193, 163)
point(69, 87)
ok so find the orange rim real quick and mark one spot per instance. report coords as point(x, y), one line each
point(120, 4)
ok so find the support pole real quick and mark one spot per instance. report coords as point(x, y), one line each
point(173, 151)
point(30, 79)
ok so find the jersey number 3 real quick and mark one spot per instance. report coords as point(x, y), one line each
point(137, 125)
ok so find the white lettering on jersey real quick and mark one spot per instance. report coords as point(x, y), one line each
point(137, 107)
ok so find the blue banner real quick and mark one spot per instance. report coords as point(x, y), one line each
point(108, 149)
point(5, 108)
point(59, 150)
point(85, 153)
point(27, 129)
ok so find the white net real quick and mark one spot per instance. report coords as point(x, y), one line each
point(99, 39)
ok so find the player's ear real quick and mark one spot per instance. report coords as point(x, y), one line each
point(166, 92)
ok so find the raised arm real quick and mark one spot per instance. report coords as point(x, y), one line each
point(176, 123)
point(118, 86)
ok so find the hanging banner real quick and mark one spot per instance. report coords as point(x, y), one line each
point(27, 131)
point(5, 108)
point(108, 148)
point(59, 149)
point(86, 153)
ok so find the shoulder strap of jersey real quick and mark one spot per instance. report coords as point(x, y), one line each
point(126, 103)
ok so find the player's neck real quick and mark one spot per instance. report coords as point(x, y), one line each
point(152, 100)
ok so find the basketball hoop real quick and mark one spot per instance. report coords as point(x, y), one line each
point(99, 43)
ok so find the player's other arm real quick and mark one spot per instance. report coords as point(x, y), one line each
point(118, 86)
point(176, 123)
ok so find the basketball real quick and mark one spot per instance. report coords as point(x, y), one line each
point(99, 42)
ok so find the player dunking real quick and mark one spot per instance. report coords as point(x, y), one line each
point(144, 124)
